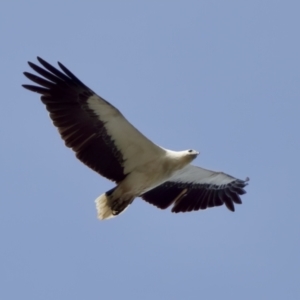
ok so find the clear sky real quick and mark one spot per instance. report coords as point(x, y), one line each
point(221, 77)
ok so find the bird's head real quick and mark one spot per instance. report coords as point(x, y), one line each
point(191, 154)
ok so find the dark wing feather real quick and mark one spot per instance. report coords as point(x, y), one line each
point(65, 97)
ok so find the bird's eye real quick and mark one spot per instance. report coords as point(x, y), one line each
point(190, 151)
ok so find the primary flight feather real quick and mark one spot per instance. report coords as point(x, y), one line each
point(105, 141)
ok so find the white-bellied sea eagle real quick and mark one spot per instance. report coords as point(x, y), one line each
point(106, 142)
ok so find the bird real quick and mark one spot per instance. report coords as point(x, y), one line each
point(106, 142)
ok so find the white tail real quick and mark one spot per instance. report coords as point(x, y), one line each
point(103, 208)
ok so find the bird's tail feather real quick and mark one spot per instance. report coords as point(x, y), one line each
point(108, 207)
point(104, 210)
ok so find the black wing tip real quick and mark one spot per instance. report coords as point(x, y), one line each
point(234, 194)
point(61, 73)
point(237, 199)
point(238, 183)
point(41, 61)
point(44, 62)
point(230, 207)
point(29, 75)
point(61, 65)
point(36, 89)
point(175, 211)
point(27, 86)
point(31, 64)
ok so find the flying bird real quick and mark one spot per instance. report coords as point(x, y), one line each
point(105, 141)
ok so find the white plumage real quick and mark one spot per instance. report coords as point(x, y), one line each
point(106, 142)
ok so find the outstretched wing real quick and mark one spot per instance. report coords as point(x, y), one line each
point(98, 133)
point(194, 188)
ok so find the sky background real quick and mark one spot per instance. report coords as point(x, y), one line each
point(221, 77)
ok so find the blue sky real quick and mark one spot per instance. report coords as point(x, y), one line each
point(221, 77)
